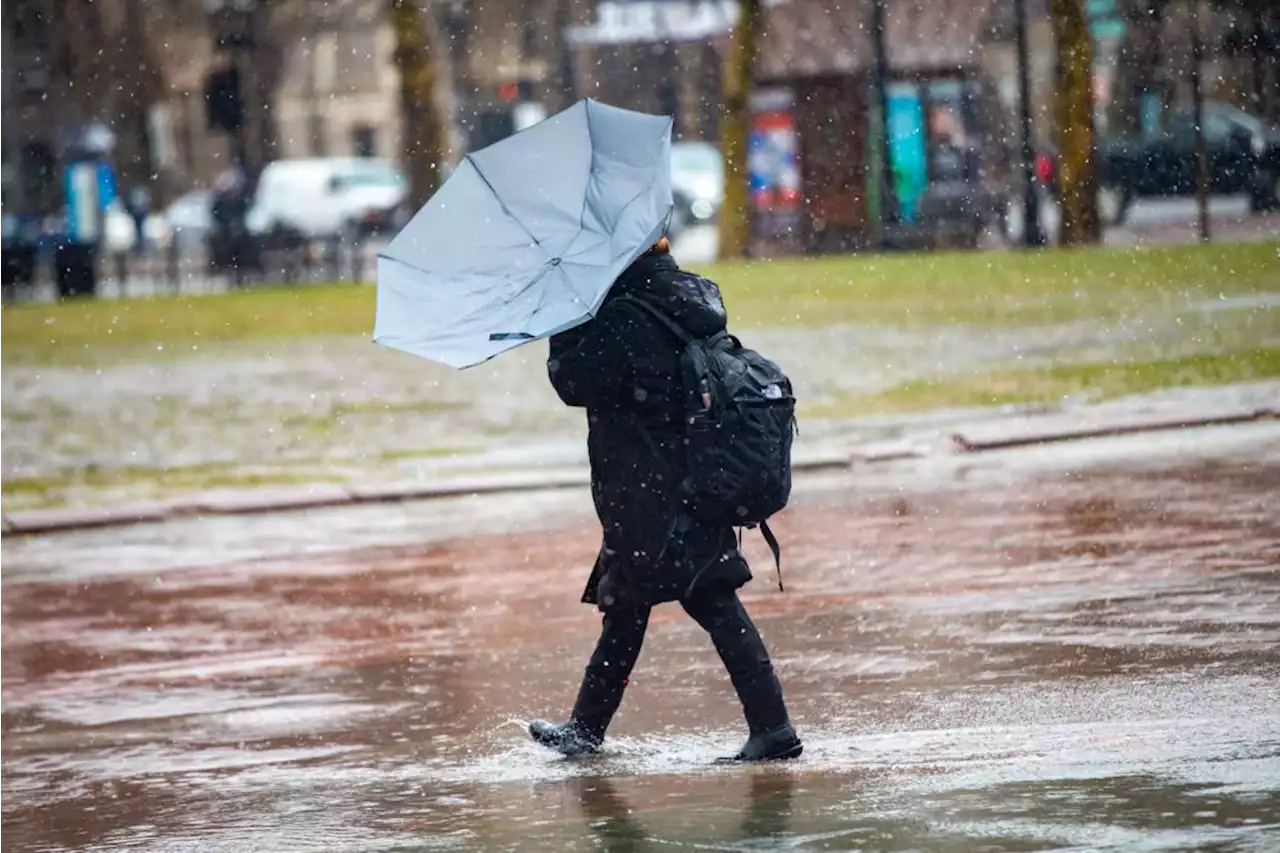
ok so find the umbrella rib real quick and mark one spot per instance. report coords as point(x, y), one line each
point(568, 284)
point(583, 214)
point(630, 202)
point(502, 204)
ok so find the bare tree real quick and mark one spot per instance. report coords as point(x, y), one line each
point(424, 143)
point(1073, 112)
point(735, 213)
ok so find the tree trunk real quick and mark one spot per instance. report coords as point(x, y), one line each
point(139, 86)
point(1139, 66)
point(735, 213)
point(423, 131)
point(1073, 113)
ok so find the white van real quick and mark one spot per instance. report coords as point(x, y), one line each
point(318, 197)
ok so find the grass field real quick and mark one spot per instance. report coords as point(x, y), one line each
point(1048, 385)
point(115, 400)
point(981, 288)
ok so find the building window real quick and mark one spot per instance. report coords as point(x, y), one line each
point(29, 23)
point(39, 175)
point(457, 31)
point(529, 40)
point(364, 140)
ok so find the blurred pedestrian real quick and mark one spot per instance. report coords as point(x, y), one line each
point(138, 205)
point(624, 368)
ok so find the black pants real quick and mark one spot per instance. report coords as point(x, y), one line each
point(736, 639)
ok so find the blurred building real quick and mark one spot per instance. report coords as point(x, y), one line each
point(318, 77)
point(130, 67)
point(500, 64)
point(814, 143)
point(314, 79)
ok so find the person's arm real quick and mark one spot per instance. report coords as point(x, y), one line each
point(591, 365)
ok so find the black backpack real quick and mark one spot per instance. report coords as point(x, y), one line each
point(740, 420)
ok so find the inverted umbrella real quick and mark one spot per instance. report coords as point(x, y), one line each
point(527, 235)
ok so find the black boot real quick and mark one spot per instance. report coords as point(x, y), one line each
point(566, 738)
point(773, 745)
point(772, 736)
point(598, 700)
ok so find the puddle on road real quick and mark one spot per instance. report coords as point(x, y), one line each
point(1082, 661)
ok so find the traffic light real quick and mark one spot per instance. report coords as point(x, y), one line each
point(224, 100)
point(520, 89)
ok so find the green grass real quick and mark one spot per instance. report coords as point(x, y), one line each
point(152, 482)
point(1094, 381)
point(429, 452)
point(323, 424)
point(145, 481)
point(984, 288)
point(1003, 289)
point(82, 332)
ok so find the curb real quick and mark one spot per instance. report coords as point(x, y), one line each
point(263, 501)
point(320, 496)
point(979, 443)
point(326, 495)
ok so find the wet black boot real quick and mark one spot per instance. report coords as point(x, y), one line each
point(773, 738)
point(565, 738)
point(773, 745)
point(598, 700)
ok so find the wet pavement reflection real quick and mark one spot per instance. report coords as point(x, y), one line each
point(1084, 660)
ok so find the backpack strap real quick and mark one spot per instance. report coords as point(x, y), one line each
point(671, 325)
point(770, 539)
point(772, 542)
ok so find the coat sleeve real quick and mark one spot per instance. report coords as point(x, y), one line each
point(592, 365)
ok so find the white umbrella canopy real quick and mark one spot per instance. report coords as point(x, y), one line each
point(526, 237)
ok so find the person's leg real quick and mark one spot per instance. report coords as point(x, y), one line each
point(609, 669)
point(603, 684)
point(738, 642)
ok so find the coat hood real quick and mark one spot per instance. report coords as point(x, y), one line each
point(692, 301)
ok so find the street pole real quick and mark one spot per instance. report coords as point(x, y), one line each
point(1202, 146)
point(1032, 235)
point(880, 86)
point(564, 65)
point(1259, 51)
point(16, 194)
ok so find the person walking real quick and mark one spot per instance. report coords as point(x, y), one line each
point(624, 368)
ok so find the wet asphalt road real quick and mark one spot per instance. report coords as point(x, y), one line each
point(1074, 648)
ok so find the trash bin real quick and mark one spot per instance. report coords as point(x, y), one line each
point(19, 264)
point(20, 257)
point(75, 270)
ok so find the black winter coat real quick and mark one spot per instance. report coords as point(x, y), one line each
point(624, 368)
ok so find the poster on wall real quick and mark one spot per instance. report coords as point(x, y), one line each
point(773, 163)
point(907, 152)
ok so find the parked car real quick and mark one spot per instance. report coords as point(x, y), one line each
point(1244, 157)
point(185, 224)
point(697, 184)
point(316, 198)
point(378, 222)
